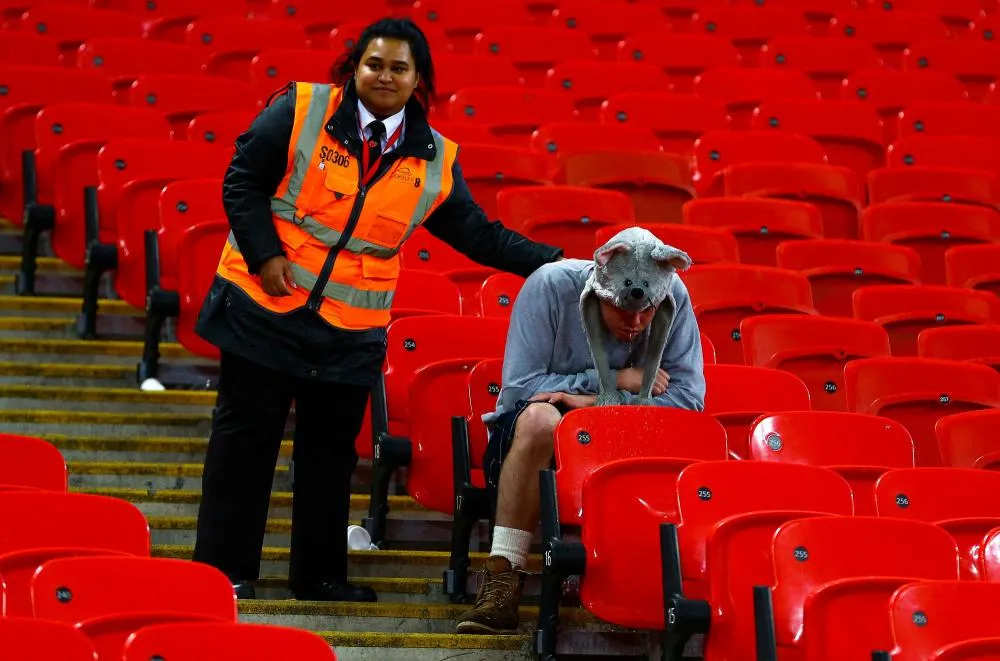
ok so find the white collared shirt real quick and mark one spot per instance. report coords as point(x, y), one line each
point(391, 124)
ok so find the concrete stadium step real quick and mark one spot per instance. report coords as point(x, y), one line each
point(105, 352)
point(33, 421)
point(13, 396)
point(64, 305)
point(374, 646)
point(65, 374)
point(146, 449)
point(12, 264)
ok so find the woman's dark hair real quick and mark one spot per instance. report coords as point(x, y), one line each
point(403, 29)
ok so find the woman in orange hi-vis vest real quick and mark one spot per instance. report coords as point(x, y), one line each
point(323, 189)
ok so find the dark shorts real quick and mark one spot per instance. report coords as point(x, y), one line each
point(498, 445)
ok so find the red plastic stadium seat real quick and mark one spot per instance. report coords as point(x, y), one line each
point(836, 267)
point(749, 28)
point(510, 112)
point(725, 294)
point(69, 26)
point(26, 49)
point(44, 525)
point(465, 132)
point(969, 440)
point(182, 97)
point(250, 642)
point(422, 251)
point(836, 572)
point(972, 63)
point(704, 245)
point(858, 447)
point(737, 395)
point(453, 72)
point(849, 131)
point(889, 32)
point(722, 508)
point(24, 639)
point(977, 344)
point(960, 152)
point(488, 169)
point(963, 501)
point(677, 119)
point(591, 83)
point(962, 615)
point(606, 24)
point(906, 310)
point(498, 293)
point(565, 139)
point(973, 267)
point(759, 225)
point(31, 463)
point(319, 17)
point(956, 14)
point(930, 118)
point(114, 596)
point(201, 246)
point(230, 43)
point(460, 25)
point(917, 392)
point(813, 348)
point(682, 57)
point(826, 61)
point(533, 49)
point(484, 389)
point(776, 164)
point(990, 563)
point(590, 437)
point(743, 89)
point(221, 128)
point(273, 68)
point(124, 60)
point(425, 292)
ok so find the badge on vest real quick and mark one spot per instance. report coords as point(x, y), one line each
point(405, 176)
point(327, 155)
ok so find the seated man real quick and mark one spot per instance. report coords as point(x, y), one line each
point(548, 370)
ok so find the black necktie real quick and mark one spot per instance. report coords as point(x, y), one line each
point(375, 141)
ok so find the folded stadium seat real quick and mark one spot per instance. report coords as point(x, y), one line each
point(587, 444)
point(836, 574)
point(608, 23)
point(681, 56)
point(201, 245)
point(969, 440)
point(461, 23)
point(889, 32)
point(889, 92)
point(929, 118)
point(182, 97)
point(976, 344)
point(917, 392)
point(273, 68)
point(497, 294)
point(826, 61)
point(906, 310)
point(318, 17)
point(759, 224)
point(229, 44)
point(115, 596)
point(836, 267)
point(742, 90)
point(511, 113)
point(27, 90)
point(26, 49)
point(69, 26)
point(562, 140)
point(566, 216)
point(721, 506)
point(958, 15)
point(43, 525)
point(69, 137)
point(220, 128)
point(464, 133)
point(749, 28)
point(973, 267)
point(124, 60)
point(737, 395)
point(930, 228)
point(971, 62)
point(858, 447)
point(453, 72)
point(677, 119)
point(590, 84)
point(963, 614)
point(425, 252)
point(345, 35)
point(813, 348)
point(488, 169)
point(725, 294)
point(704, 245)
point(249, 642)
point(25, 639)
point(414, 342)
point(27, 462)
point(849, 131)
point(165, 20)
point(783, 165)
point(532, 49)
point(963, 501)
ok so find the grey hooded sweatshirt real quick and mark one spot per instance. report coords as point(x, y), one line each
point(547, 348)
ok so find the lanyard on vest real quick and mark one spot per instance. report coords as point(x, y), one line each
point(369, 170)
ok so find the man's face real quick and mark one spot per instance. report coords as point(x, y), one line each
point(625, 325)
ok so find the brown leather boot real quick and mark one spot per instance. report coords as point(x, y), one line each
point(496, 604)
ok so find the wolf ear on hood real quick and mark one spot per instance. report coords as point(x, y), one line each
point(670, 257)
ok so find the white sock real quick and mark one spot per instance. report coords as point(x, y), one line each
point(512, 544)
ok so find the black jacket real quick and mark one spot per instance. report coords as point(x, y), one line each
point(302, 342)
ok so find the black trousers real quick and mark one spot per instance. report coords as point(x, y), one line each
point(251, 412)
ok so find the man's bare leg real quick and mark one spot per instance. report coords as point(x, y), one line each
point(516, 519)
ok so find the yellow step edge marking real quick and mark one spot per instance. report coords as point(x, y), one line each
point(161, 468)
point(6, 280)
point(443, 641)
point(388, 609)
point(101, 418)
point(378, 583)
point(66, 370)
point(359, 501)
point(149, 445)
point(88, 347)
point(35, 323)
point(411, 558)
point(109, 395)
point(66, 304)
point(44, 265)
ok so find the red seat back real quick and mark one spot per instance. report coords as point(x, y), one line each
point(70, 26)
point(488, 169)
point(498, 293)
point(889, 32)
point(716, 150)
point(24, 639)
point(201, 246)
point(230, 43)
point(26, 461)
point(704, 245)
point(974, 267)
point(607, 23)
point(826, 62)
point(748, 28)
point(425, 292)
point(251, 642)
point(125, 59)
point(942, 119)
point(929, 616)
point(968, 61)
point(273, 68)
point(220, 128)
point(965, 439)
point(590, 84)
point(978, 344)
point(682, 57)
point(742, 90)
point(510, 112)
point(533, 49)
point(676, 119)
point(181, 97)
point(959, 152)
point(26, 49)
point(453, 72)
point(485, 380)
point(889, 91)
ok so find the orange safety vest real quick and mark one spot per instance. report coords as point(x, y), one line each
point(320, 207)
